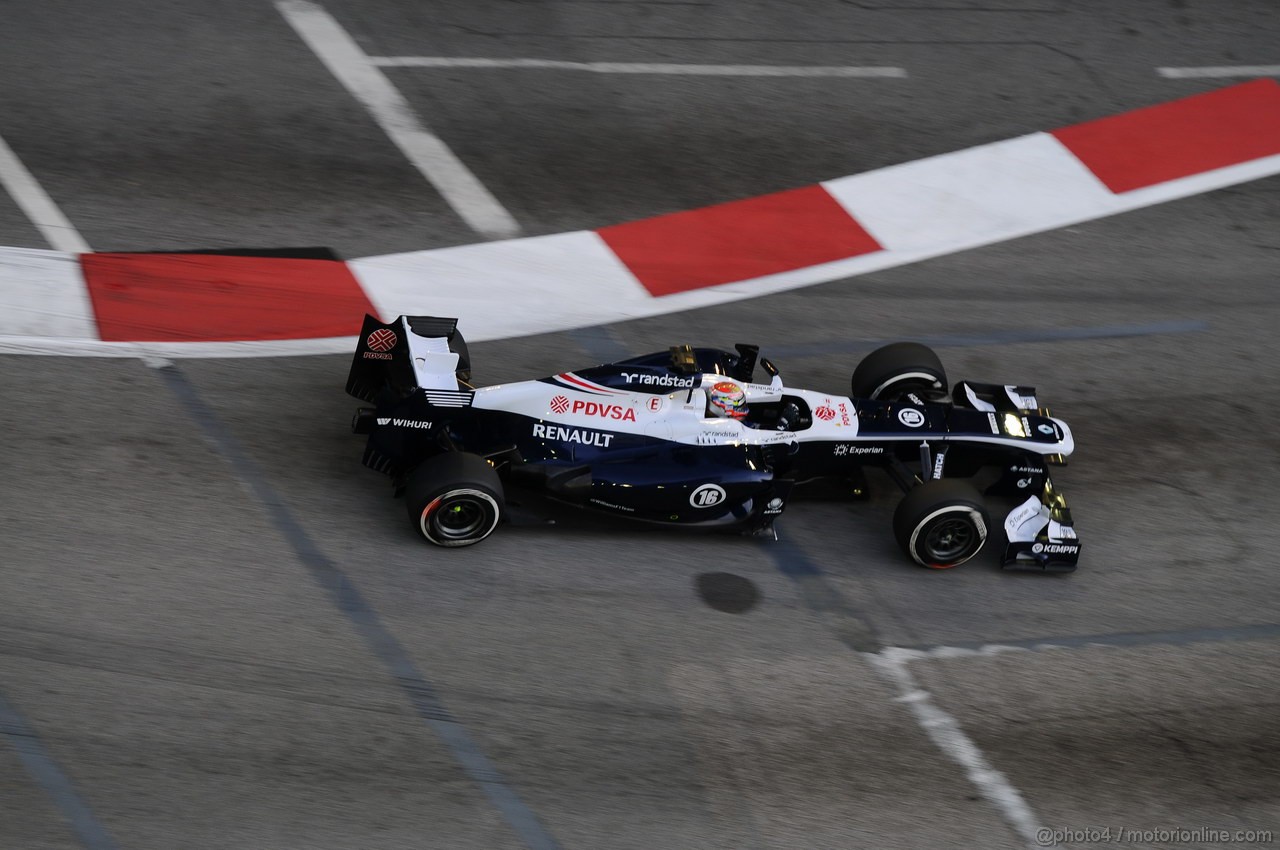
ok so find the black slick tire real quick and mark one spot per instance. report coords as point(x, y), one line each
point(454, 499)
point(941, 524)
point(892, 371)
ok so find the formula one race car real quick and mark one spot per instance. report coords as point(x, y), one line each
point(687, 437)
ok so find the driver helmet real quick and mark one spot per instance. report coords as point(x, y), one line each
point(727, 400)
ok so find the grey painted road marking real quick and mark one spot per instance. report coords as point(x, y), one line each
point(1010, 337)
point(1181, 637)
point(346, 597)
point(602, 341)
point(36, 759)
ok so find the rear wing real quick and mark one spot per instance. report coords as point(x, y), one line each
point(411, 352)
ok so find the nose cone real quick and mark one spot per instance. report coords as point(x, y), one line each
point(1067, 444)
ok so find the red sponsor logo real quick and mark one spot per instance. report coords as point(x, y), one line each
point(604, 411)
point(844, 414)
point(824, 413)
point(381, 340)
point(655, 403)
point(377, 355)
point(559, 404)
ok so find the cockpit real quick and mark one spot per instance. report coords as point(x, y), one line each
point(764, 408)
point(690, 376)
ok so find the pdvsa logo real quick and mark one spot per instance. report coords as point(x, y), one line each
point(379, 343)
point(382, 339)
point(559, 404)
point(604, 411)
point(707, 496)
point(824, 413)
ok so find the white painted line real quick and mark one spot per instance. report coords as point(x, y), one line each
point(36, 203)
point(644, 67)
point(945, 732)
point(1219, 72)
point(428, 153)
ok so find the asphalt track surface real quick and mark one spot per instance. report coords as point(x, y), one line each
point(217, 629)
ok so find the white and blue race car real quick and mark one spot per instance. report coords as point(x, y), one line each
point(646, 438)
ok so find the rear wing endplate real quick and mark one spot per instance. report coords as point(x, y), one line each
point(411, 352)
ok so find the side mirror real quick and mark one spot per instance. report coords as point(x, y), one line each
point(767, 365)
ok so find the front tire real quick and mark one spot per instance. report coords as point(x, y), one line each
point(941, 524)
point(892, 371)
point(455, 499)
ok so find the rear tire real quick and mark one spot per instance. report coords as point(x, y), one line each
point(892, 371)
point(454, 499)
point(941, 524)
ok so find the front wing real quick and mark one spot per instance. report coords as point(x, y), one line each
point(1040, 534)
